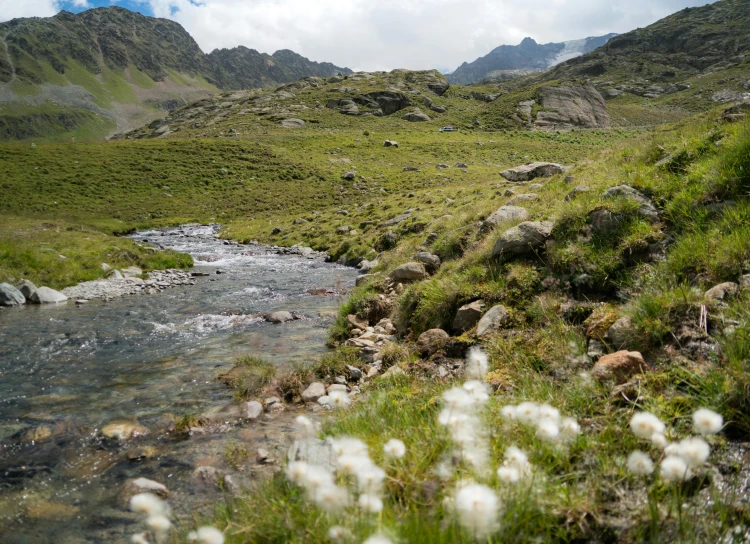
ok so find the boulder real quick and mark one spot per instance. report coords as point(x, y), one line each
point(348, 176)
point(45, 295)
point(532, 170)
point(580, 106)
point(313, 392)
point(493, 321)
point(503, 214)
point(252, 410)
point(356, 322)
point(140, 485)
point(27, 288)
point(646, 208)
point(279, 317)
point(292, 123)
point(619, 366)
point(10, 296)
point(115, 275)
point(432, 341)
point(526, 237)
point(123, 430)
point(721, 292)
point(409, 272)
point(468, 315)
point(621, 332)
point(390, 143)
point(131, 272)
point(430, 261)
point(417, 116)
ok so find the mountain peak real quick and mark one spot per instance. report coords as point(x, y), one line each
point(527, 41)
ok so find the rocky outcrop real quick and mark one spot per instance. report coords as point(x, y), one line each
point(532, 170)
point(416, 116)
point(503, 214)
point(527, 237)
point(566, 107)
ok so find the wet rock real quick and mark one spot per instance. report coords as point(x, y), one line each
point(722, 292)
point(208, 475)
point(619, 366)
point(45, 295)
point(493, 321)
point(621, 333)
point(37, 434)
point(313, 392)
point(140, 453)
point(502, 214)
point(432, 341)
point(140, 485)
point(430, 261)
point(252, 410)
point(409, 272)
point(123, 430)
point(527, 237)
point(532, 170)
point(27, 289)
point(468, 315)
point(280, 317)
point(10, 296)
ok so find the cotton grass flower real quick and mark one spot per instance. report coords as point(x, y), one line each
point(569, 428)
point(527, 412)
point(316, 477)
point(331, 498)
point(477, 508)
point(509, 475)
point(158, 523)
point(207, 535)
point(545, 411)
point(139, 538)
point(707, 422)
point(306, 426)
point(659, 440)
point(351, 464)
point(479, 391)
point(372, 504)
point(674, 469)
point(296, 471)
point(694, 451)
point(640, 464)
point(672, 449)
point(508, 413)
point(370, 479)
point(477, 364)
point(458, 398)
point(148, 504)
point(339, 399)
point(337, 533)
point(348, 446)
point(515, 457)
point(548, 430)
point(378, 539)
point(394, 449)
point(645, 425)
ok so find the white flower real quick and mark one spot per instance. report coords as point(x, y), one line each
point(477, 364)
point(207, 535)
point(479, 391)
point(706, 421)
point(508, 412)
point(296, 471)
point(527, 412)
point(316, 478)
point(477, 508)
point(548, 430)
point(378, 539)
point(694, 451)
point(640, 463)
point(545, 411)
point(394, 448)
point(672, 449)
point(339, 399)
point(458, 398)
point(148, 503)
point(371, 504)
point(306, 426)
point(477, 457)
point(508, 475)
point(569, 428)
point(674, 469)
point(453, 419)
point(337, 533)
point(158, 523)
point(645, 424)
point(659, 440)
point(370, 479)
point(351, 464)
point(139, 538)
point(331, 498)
point(515, 457)
point(348, 446)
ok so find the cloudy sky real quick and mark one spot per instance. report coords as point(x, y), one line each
point(381, 34)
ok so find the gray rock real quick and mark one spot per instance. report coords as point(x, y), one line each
point(366, 266)
point(355, 374)
point(430, 261)
point(252, 410)
point(596, 349)
point(580, 106)
point(493, 321)
point(417, 116)
point(621, 333)
point(536, 187)
point(409, 272)
point(105, 267)
point(27, 288)
point(646, 208)
point(503, 214)
point(313, 392)
point(45, 295)
point(280, 317)
point(745, 281)
point(526, 237)
point(432, 341)
point(115, 275)
point(525, 197)
point(343, 229)
point(10, 296)
point(349, 176)
point(604, 221)
point(577, 191)
point(292, 123)
point(131, 272)
point(532, 170)
point(140, 485)
point(723, 291)
point(313, 451)
point(390, 143)
point(123, 430)
point(468, 315)
point(609, 94)
point(337, 387)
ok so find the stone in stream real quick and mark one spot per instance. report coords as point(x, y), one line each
point(10, 296)
point(138, 486)
point(313, 392)
point(45, 295)
point(27, 288)
point(123, 430)
point(252, 410)
point(280, 317)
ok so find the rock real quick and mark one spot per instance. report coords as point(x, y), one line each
point(356, 322)
point(123, 430)
point(349, 176)
point(646, 208)
point(292, 123)
point(577, 191)
point(355, 374)
point(580, 106)
point(366, 266)
point(604, 221)
point(313, 392)
point(527, 197)
point(45, 295)
point(280, 317)
point(430, 261)
point(493, 321)
point(27, 288)
point(432, 341)
point(252, 410)
point(536, 187)
point(532, 170)
point(417, 116)
point(393, 372)
point(745, 282)
point(526, 237)
point(721, 292)
point(609, 94)
point(140, 485)
point(115, 275)
point(131, 272)
point(208, 475)
point(390, 143)
point(468, 315)
point(409, 272)
point(313, 451)
point(461, 165)
point(620, 366)
point(105, 267)
point(503, 214)
point(10, 296)
point(262, 456)
point(277, 230)
point(621, 332)
point(337, 387)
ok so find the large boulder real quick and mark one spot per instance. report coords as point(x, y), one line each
point(27, 288)
point(468, 315)
point(723, 291)
point(10, 296)
point(432, 341)
point(619, 366)
point(45, 295)
point(417, 116)
point(409, 272)
point(532, 170)
point(389, 102)
point(503, 214)
point(279, 317)
point(575, 106)
point(493, 321)
point(430, 261)
point(292, 123)
point(526, 237)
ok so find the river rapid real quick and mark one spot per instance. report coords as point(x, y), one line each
point(68, 370)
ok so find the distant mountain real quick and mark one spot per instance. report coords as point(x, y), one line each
point(527, 57)
point(108, 69)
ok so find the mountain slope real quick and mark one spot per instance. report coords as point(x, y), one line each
point(527, 56)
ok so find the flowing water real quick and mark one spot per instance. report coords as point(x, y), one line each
point(65, 371)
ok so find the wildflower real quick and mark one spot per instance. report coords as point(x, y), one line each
point(569, 428)
point(477, 457)
point(370, 479)
point(640, 463)
point(159, 523)
point(477, 507)
point(316, 477)
point(339, 399)
point(548, 430)
point(147, 503)
point(452, 419)
point(674, 469)
point(207, 535)
point(672, 449)
point(394, 448)
point(331, 498)
point(694, 451)
point(458, 398)
point(659, 440)
point(296, 471)
point(378, 539)
point(477, 364)
point(527, 412)
point(371, 504)
point(508, 412)
point(509, 475)
point(515, 457)
point(545, 411)
point(707, 421)
point(337, 533)
point(348, 446)
point(479, 391)
point(645, 425)
point(306, 426)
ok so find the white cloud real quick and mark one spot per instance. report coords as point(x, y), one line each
point(12, 9)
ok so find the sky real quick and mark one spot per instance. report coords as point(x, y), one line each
point(383, 34)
